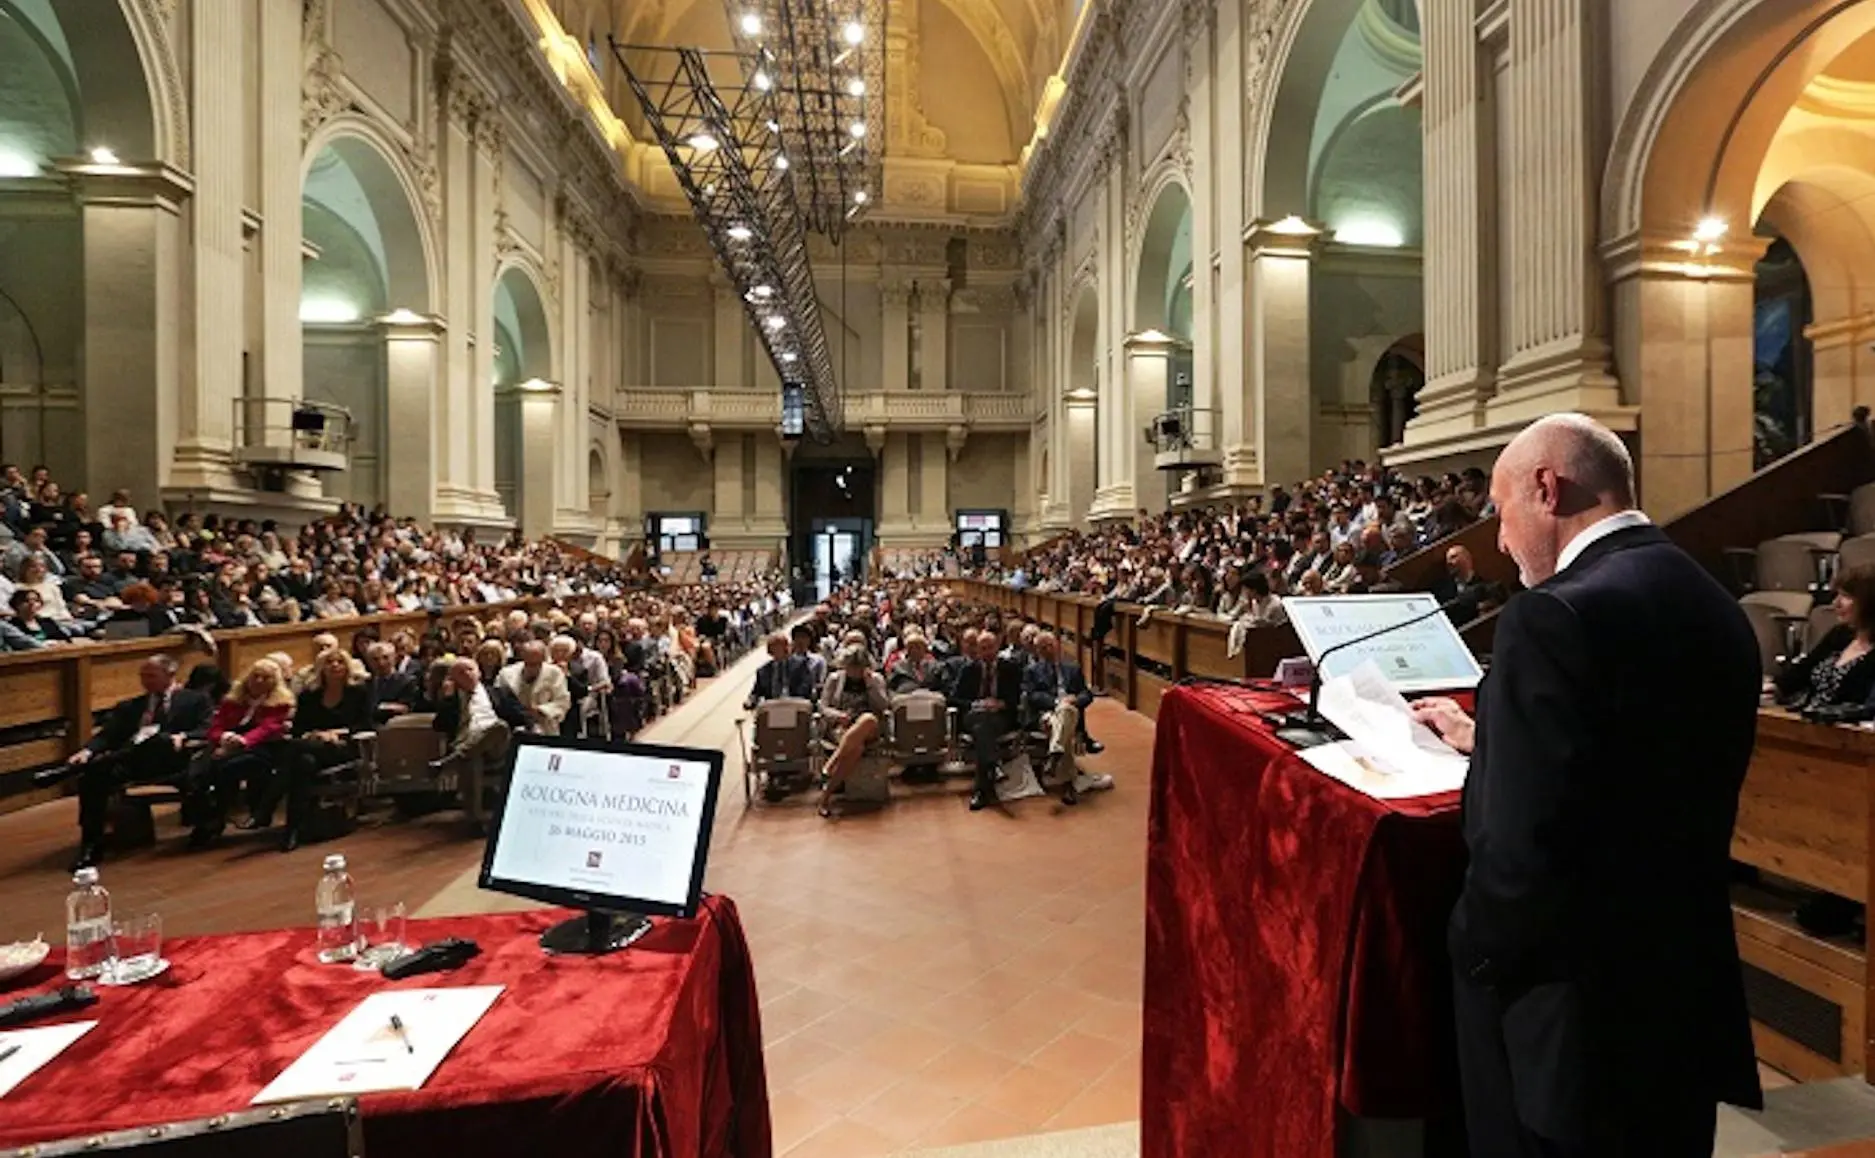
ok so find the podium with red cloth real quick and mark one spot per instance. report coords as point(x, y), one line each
point(1296, 969)
point(655, 1051)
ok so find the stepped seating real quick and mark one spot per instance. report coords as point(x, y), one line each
point(686, 567)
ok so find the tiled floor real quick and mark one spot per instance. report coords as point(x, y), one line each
point(928, 976)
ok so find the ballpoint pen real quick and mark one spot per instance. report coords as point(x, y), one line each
point(9, 1051)
point(397, 1027)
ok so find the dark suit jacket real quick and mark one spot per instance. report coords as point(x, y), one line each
point(1613, 734)
point(188, 714)
point(1044, 684)
point(1005, 683)
point(795, 681)
point(1858, 684)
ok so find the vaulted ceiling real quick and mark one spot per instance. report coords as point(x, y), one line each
point(982, 64)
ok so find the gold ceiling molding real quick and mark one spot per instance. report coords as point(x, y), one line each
point(1840, 99)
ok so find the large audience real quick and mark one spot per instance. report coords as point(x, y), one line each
point(1334, 534)
point(565, 643)
point(69, 573)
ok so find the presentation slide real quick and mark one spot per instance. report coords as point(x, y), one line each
point(602, 822)
point(1427, 657)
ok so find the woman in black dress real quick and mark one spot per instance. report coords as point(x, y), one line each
point(326, 724)
point(1840, 668)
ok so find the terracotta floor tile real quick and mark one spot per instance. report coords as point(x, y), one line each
point(844, 1138)
point(907, 1046)
point(796, 1115)
point(967, 1070)
point(1081, 1057)
point(848, 1079)
point(906, 1111)
point(1032, 1095)
point(976, 1122)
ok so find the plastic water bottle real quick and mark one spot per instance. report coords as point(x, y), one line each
point(87, 926)
point(338, 920)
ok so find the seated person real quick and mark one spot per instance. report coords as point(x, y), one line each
point(255, 715)
point(326, 719)
point(539, 686)
point(985, 694)
point(141, 741)
point(1463, 584)
point(390, 691)
point(916, 668)
point(784, 676)
point(491, 657)
point(1056, 695)
point(477, 736)
point(802, 638)
point(28, 620)
point(1839, 669)
point(631, 695)
point(852, 703)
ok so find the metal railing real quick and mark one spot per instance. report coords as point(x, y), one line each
point(1185, 436)
point(292, 433)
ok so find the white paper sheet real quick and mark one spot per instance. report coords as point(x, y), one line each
point(362, 1054)
point(37, 1048)
point(1388, 754)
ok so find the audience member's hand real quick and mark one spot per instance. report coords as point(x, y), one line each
point(80, 757)
point(1447, 720)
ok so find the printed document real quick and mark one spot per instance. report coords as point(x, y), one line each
point(366, 1053)
point(1388, 755)
point(36, 1048)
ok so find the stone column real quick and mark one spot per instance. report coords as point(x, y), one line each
point(1558, 357)
point(1114, 497)
point(1840, 369)
point(934, 465)
point(412, 394)
point(476, 480)
point(569, 454)
point(770, 516)
point(1236, 407)
point(1148, 374)
point(727, 333)
point(1282, 256)
point(1687, 330)
point(895, 488)
point(934, 306)
point(1461, 233)
point(279, 363)
point(895, 334)
point(1199, 20)
point(135, 269)
point(540, 434)
point(728, 516)
point(205, 420)
point(1076, 449)
point(460, 108)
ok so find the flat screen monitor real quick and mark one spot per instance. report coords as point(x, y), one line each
point(1428, 656)
point(620, 830)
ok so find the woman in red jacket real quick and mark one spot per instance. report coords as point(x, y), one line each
point(242, 736)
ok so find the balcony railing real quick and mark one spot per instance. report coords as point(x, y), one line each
point(292, 434)
point(680, 408)
point(1184, 438)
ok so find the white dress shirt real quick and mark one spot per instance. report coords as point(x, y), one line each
point(1597, 531)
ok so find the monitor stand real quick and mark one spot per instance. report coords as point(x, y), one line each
point(595, 933)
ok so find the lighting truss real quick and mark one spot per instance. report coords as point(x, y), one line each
point(731, 167)
point(793, 148)
point(825, 61)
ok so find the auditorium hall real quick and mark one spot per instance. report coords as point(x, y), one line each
point(937, 578)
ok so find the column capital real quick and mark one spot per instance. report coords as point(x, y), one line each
point(152, 184)
point(896, 294)
point(1290, 236)
point(1656, 256)
point(955, 437)
point(409, 326)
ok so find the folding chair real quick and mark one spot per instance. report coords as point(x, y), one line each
point(784, 749)
point(923, 733)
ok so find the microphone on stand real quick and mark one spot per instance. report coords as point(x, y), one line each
point(1308, 729)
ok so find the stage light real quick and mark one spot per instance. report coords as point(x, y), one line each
point(858, 129)
point(781, 162)
point(1710, 230)
point(856, 87)
point(751, 24)
point(861, 197)
point(101, 155)
point(773, 127)
point(777, 322)
point(787, 355)
point(854, 32)
point(703, 143)
point(763, 291)
point(740, 233)
point(762, 81)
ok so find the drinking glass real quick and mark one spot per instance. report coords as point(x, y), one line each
point(381, 929)
point(136, 948)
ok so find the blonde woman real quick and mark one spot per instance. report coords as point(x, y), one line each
point(247, 726)
point(327, 720)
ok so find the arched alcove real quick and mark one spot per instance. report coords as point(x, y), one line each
point(371, 267)
point(523, 361)
point(598, 486)
point(1080, 442)
point(1744, 163)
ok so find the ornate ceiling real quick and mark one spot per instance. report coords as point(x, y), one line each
point(964, 80)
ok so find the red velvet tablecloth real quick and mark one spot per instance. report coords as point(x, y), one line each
point(653, 1051)
point(1295, 942)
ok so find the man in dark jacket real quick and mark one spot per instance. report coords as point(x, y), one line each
point(784, 676)
point(986, 693)
point(140, 741)
point(1599, 1003)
